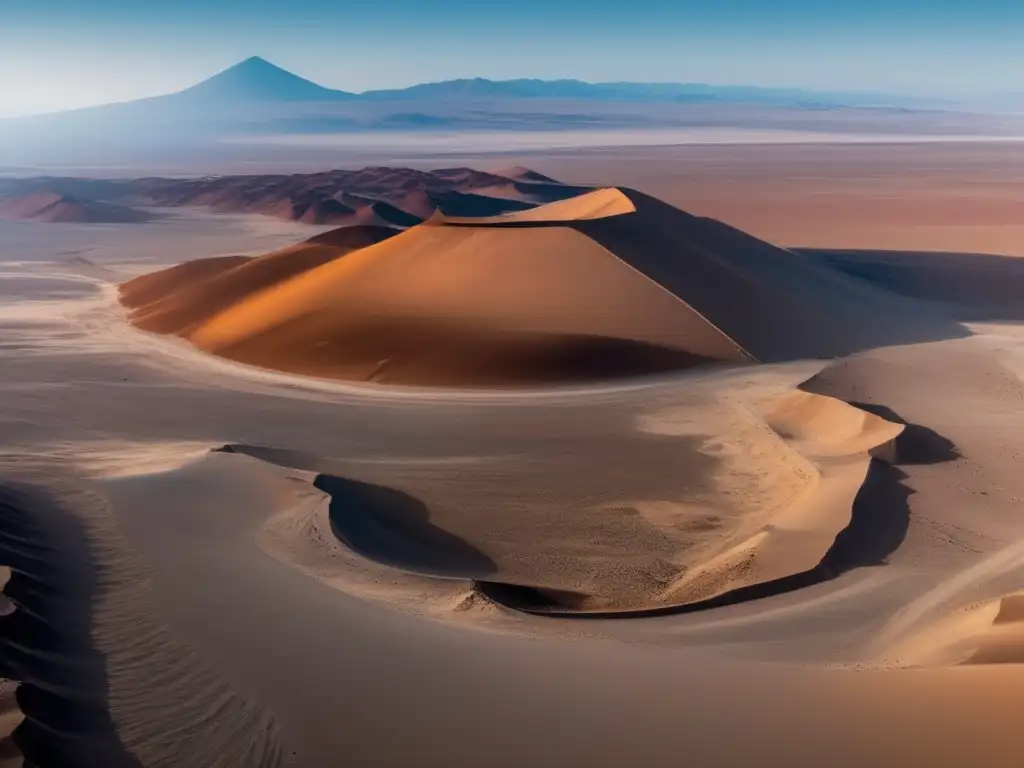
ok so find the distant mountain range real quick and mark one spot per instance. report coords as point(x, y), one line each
point(256, 100)
point(256, 80)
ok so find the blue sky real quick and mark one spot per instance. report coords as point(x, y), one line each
point(66, 53)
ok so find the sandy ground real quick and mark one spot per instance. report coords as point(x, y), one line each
point(197, 609)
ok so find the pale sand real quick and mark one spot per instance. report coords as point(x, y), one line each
point(195, 635)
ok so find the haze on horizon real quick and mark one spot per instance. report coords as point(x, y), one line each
point(66, 54)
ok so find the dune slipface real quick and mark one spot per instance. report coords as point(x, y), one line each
point(605, 284)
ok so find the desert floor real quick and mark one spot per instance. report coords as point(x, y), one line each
point(176, 605)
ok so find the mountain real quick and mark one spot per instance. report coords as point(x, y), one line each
point(257, 80)
point(482, 88)
point(256, 101)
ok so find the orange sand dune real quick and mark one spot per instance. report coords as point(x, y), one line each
point(177, 300)
point(608, 283)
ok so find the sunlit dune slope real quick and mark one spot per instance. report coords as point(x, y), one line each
point(179, 299)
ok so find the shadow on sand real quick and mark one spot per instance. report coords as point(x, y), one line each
point(47, 641)
point(974, 287)
point(394, 528)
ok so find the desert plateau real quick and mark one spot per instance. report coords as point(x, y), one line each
point(340, 453)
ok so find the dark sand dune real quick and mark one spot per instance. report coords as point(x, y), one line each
point(375, 195)
point(323, 211)
point(58, 208)
point(424, 204)
point(973, 286)
point(519, 173)
point(611, 283)
point(813, 311)
point(354, 201)
point(387, 214)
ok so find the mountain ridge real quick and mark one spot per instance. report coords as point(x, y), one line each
point(257, 80)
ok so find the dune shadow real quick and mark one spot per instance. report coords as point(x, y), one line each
point(434, 352)
point(878, 524)
point(393, 528)
point(972, 286)
point(382, 524)
point(47, 640)
point(916, 444)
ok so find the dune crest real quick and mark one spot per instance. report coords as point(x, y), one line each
point(590, 205)
point(56, 208)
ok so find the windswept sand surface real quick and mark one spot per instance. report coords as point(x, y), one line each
point(218, 565)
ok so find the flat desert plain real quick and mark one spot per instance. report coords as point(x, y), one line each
point(647, 488)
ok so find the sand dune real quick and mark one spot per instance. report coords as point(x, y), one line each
point(400, 197)
point(971, 286)
point(591, 205)
point(55, 208)
point(354, 236)
point(424, 204)
point(520, 173)
point(989, 632)
point(180, 299)
point(608, 283)
point(769, 509)
point(392, 196)
point(449, 304)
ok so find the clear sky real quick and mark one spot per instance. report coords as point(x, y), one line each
point(57, 54)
